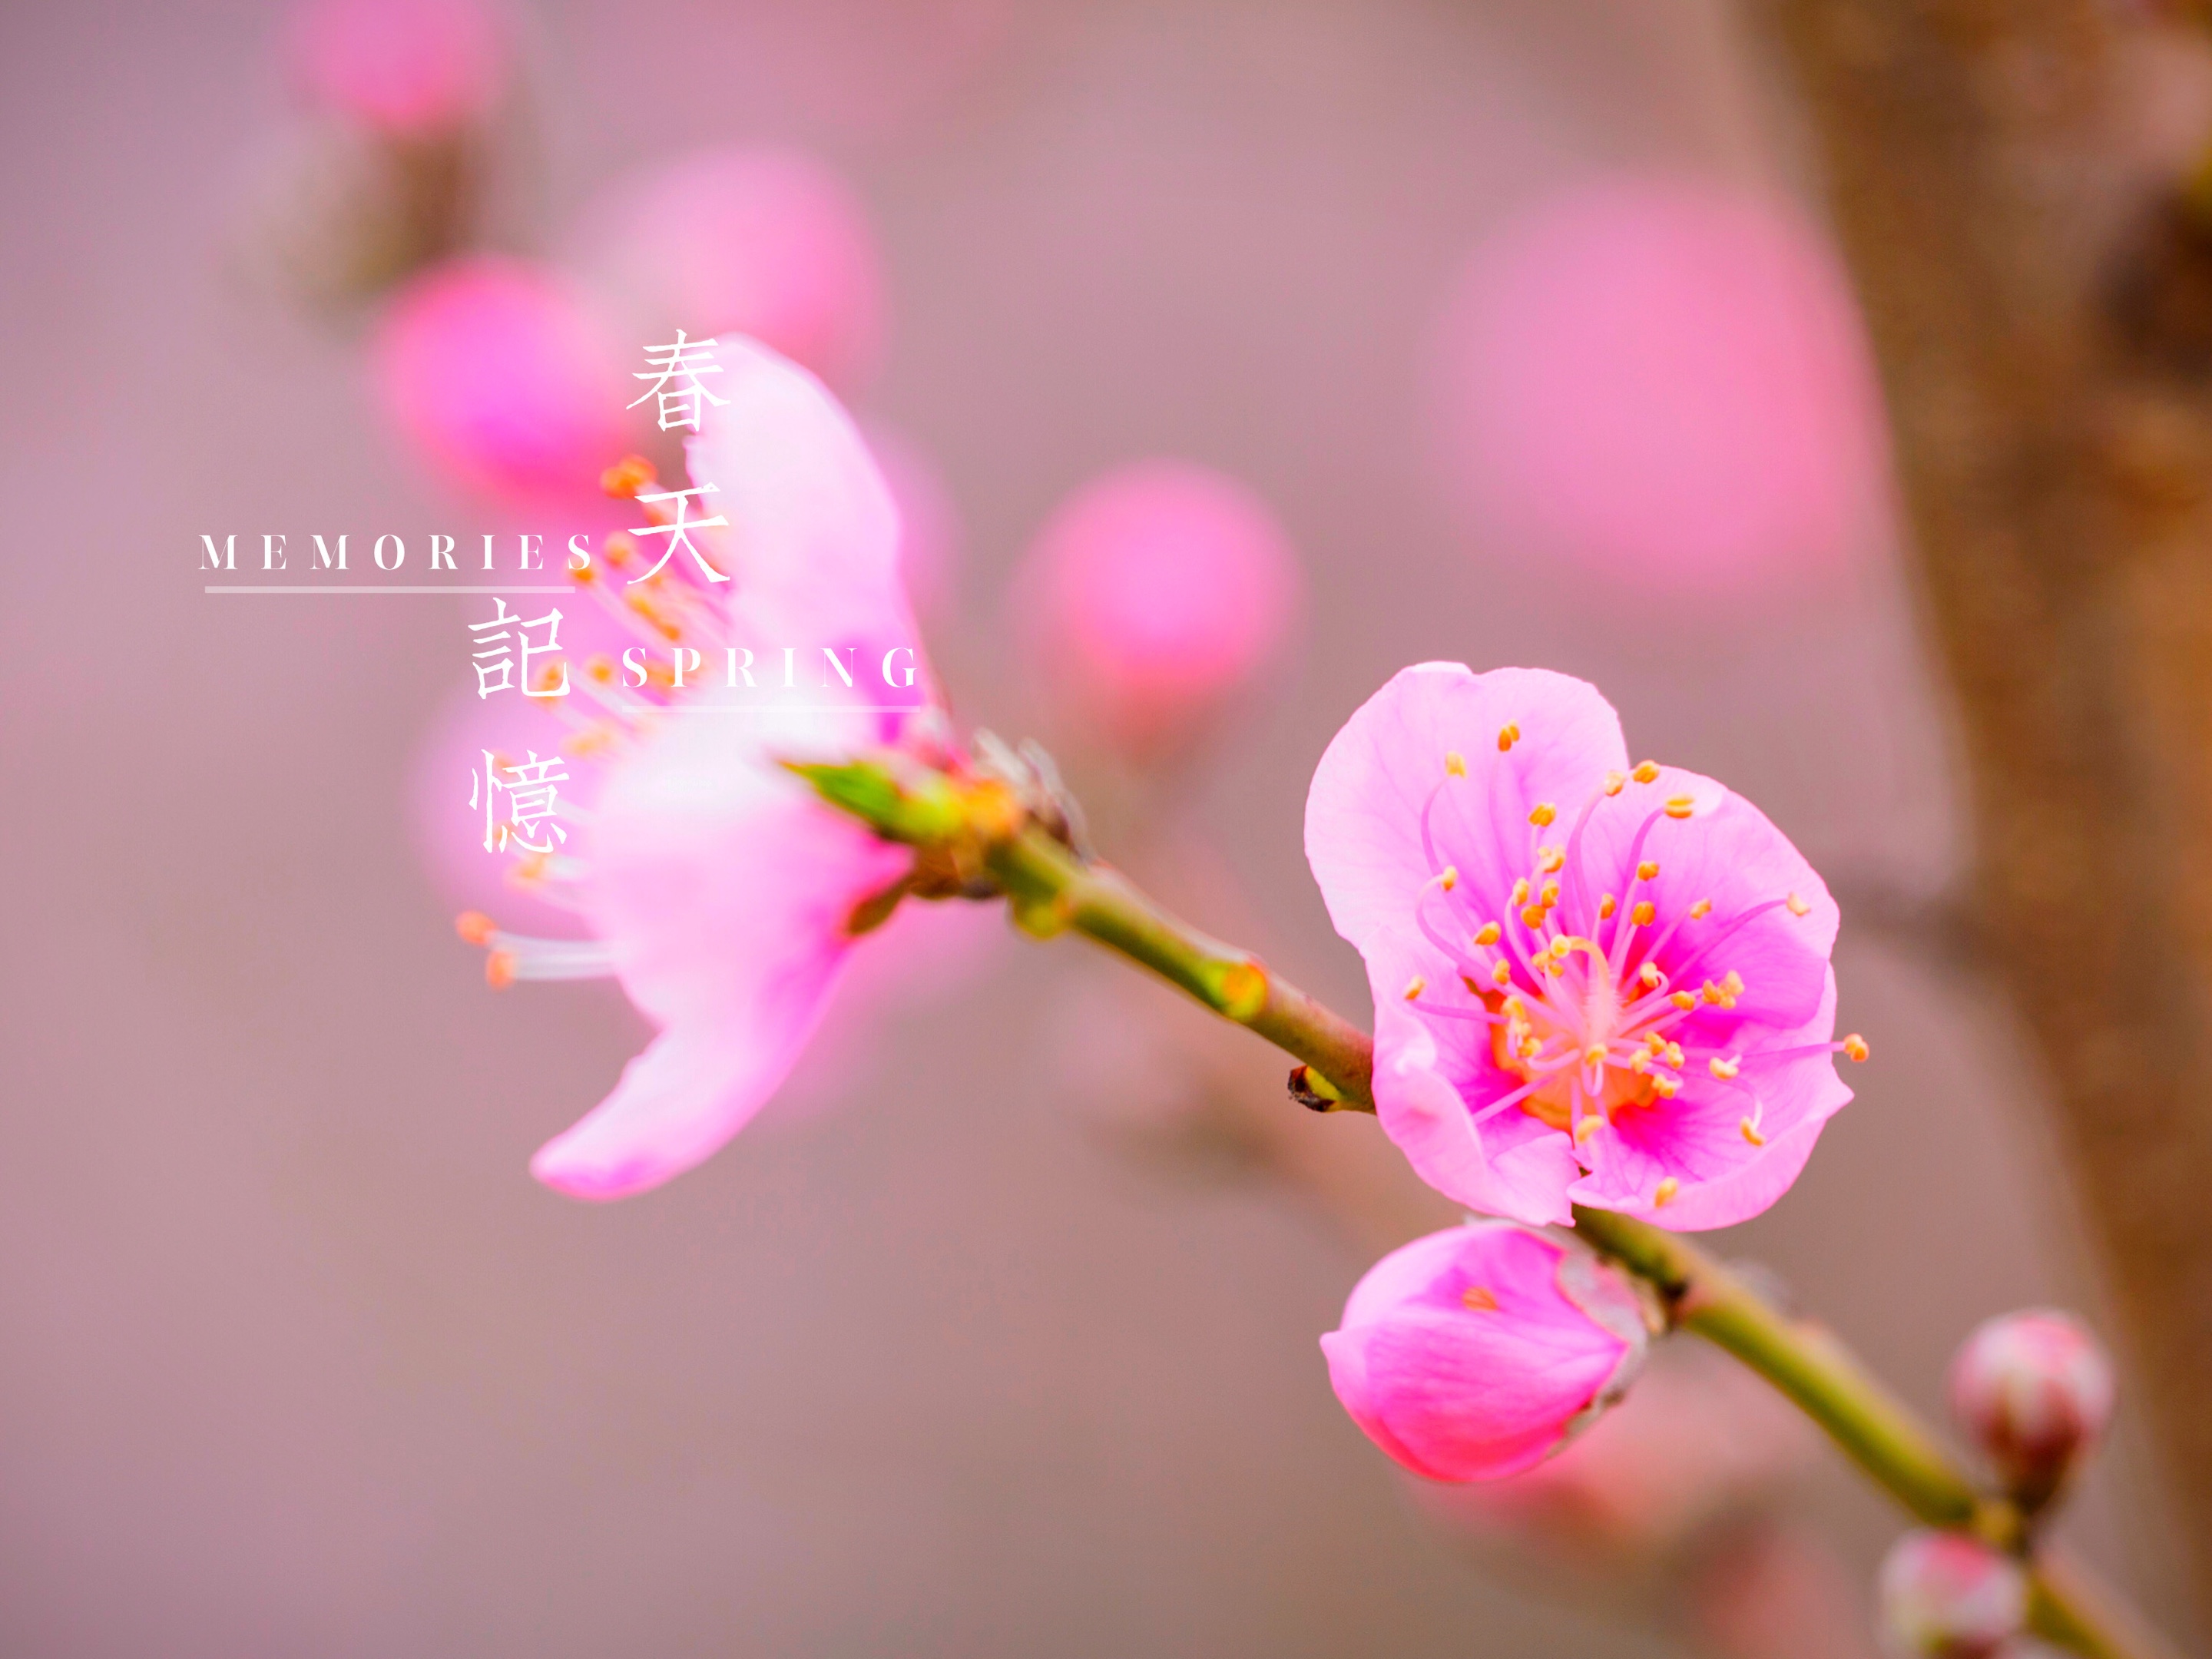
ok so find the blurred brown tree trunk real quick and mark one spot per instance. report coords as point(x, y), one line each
point(2042, 323)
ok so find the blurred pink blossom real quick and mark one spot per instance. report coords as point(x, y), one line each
point(2034, 1390)
point(771, 243)
point(499, 377)
point(1151, 597)
point(712, 884)
point(1477, 1351)
point(1592, 984)
point(1665, 382)
point(1949, 1596)
point(405, 68)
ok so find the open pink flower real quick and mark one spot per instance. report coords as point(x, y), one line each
point(716, 887)
point(1594, 983)
point(1478, 1351)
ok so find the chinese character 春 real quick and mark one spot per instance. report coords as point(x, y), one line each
point(495, 660)
point(690, 358)
point(678, 533)
point(529, 786)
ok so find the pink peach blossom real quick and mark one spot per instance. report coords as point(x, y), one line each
point(765, 242)
point(497, 373)
point(1593, 984)
point(1950, 1596)
point(1153, 595)
point(1478, 1351)
point(712, 884)
point(1665, 382)
point(2034, 1390)
point(407, 68)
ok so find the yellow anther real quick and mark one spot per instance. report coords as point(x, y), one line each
point(1549, 895)
point(1701, 910)
point(1544, 814)
point(1487, 933)
point(1533, 916)
point(1594, 1054)
point(1711, 992)
point(1508, 735)
point(1605, 906)
point(1455, 764)
point(1502, 974)
point(1643, 912)
point(1664, 1193)
point(1640, 1063)
point(1560, 946)
point(1529, 1048)
point(1521, 892)
point(1732, 984)
point(1515, 1008)
point(1751, 1132)
point(1797, 906)
point(1480, 1300)
point(1666, 1087)
point(1646, 772)
point(1414, 986)
point(1722, 1069)
point(1674, 1055)
point(1449, 879)
point(1649, 974)
point(1654, 1043)
point(1550, 859)
point(1647, 871)
point(1588, 1127)
point(1856, 1046)
point(1614, 782)
point(1683, 999)
point(1679, 806)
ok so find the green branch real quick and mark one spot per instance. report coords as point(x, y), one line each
point(966, 832)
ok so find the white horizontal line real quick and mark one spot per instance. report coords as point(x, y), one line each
point(379, 587)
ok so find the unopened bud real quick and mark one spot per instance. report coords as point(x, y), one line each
point(2034, 1390)
point(1946, 1596)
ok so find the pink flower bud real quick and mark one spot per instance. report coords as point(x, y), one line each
point(771, 243)
point(497, 373)
point(2035, 1391)
point(1478, 1351)
point(1949, 1596)
point(1153, 595)
point(408, 69)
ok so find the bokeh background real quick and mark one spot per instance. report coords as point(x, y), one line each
point(960, 1350)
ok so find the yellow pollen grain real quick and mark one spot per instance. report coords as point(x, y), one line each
point(1544, 814)
point(1521, 892)
point(1679, 806)
point(1664, 1193)
point(1797, 906)
point(499, 970)
point(1487, 933)
point(1550, 859)
point(1640, 1063)
point(1508, 735)
point(1594, 1054)
point(1722, 1069)
point(1655, 1042)
point(1674, 1055)
point(1649, 974)
point(1647, 871)
point(1614, 782)
point(1856, 1046)
point(1666, 1087)
point(1605, 908)
point(1528, 1047)
point(1643, 912)
point(1502, 974)
point(1683, 999)
point(1450, 877)
point(1732, 984)
point(1646, 772)
point(1701, 910)
point(1479, 1298)
point(1515, 1008)
point(1549, 895)
point(1559, 949)
point(1533, 916)
point(1414, 986)
point(1588, 1127)
point(1455, 764)
point(1751, 1132)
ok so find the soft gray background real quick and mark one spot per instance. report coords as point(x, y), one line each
point(295, 1358)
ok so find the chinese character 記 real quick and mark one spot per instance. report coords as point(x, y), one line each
point(494, 657)
point(683, 407)
point(531, 798)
